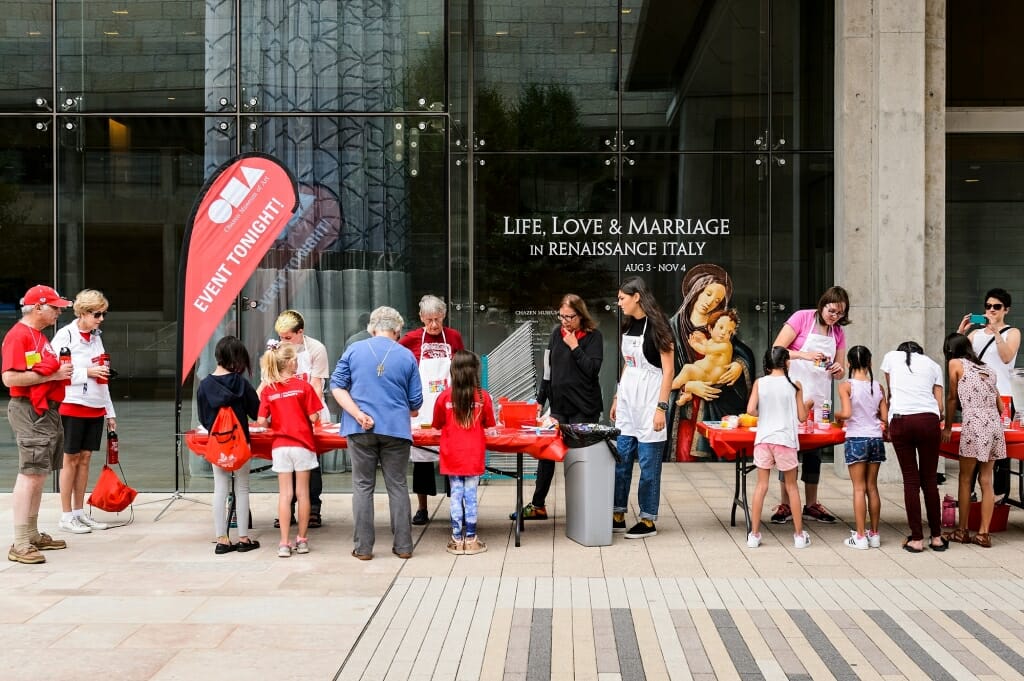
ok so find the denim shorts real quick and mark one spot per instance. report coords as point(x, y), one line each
point(864, 450)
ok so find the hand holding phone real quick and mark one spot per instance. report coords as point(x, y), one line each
point(979, 319)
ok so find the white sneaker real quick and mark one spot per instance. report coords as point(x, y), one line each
point(874, 539)
point(90, 523)
point(284, 551)
point(301, 546)
point(753, 540)
point(854, 542)
point(74, 526)
point(802, 540)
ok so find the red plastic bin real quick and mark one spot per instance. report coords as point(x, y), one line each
point(515, 414)
point(1000, 516)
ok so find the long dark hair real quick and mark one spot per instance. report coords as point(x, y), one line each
point(231, 354)
point(465, 386)
point(859, 357)
point(910, 347)
point(662, 332)
point(776, 358)
point(958, 346)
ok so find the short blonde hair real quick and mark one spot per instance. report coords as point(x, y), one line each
point(289, 321)
point(88, 301)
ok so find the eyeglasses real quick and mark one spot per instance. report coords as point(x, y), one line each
point(834, 313)
point(99, 315)
point(993, 306)
point(567, 317)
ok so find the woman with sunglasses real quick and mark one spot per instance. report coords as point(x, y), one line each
point(817, 350)
point(87, 407)
point(995, 343)
point(571, 384)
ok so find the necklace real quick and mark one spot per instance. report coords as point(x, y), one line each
point(380, 362)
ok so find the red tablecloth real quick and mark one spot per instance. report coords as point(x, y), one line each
point(1014, 444)
point(728, 442)
point(542, 445)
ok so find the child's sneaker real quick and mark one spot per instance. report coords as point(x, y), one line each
point(284, 551)
point(857, 541)
point(874, 539)
point(819, 513)
point(301, 545)
point(782, 514)
point(802, 540)
point(456, 547)
point(753, 540)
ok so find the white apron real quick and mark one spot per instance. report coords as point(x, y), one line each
point(639, 389)
point(815, 380)
point(435, 375)
point(305, 372)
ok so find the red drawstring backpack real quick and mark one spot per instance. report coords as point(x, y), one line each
point(110, 494)
point(226, 448)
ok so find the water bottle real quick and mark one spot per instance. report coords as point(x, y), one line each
point(948, 511)
point(65, 358)
point(826, 410)
point(112, 448)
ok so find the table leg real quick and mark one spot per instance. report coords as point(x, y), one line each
point(520, 521)
point(1019, 501)
point(739, 499)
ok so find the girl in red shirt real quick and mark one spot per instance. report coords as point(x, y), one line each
point(292, 407)
point(461, 413)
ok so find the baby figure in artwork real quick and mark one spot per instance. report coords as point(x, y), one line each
point(717, 352)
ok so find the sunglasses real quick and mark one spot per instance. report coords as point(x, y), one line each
point(99, 315)
point(993, 306)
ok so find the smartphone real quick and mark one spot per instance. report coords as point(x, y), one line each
point(979, 319)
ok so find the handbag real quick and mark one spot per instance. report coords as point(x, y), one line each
point(110, 494)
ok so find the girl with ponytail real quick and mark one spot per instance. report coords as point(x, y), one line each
point(778, 403)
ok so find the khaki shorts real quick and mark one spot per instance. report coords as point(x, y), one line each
point(40, 438)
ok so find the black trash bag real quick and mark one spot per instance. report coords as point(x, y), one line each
point(579, 435)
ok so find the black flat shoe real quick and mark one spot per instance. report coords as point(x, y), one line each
point(225, 548)
point(910, 549)
point(244, 546)
point(941, 547)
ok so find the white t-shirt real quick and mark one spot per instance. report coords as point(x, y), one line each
point(911, 387)
point(777, 417)
point(1003, 370)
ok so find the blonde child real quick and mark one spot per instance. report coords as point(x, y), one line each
point(461, 413)
point(292, 407)
point(863, 406)
point(779, 405)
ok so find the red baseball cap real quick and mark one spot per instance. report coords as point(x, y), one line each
point(44, 295)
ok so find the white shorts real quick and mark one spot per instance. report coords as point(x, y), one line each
point(291, 459)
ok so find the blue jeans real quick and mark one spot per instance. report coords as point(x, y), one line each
point(649, 491)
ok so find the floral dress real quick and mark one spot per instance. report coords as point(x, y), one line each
point(981, 436)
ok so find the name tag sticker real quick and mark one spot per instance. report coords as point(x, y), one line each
point(32, 358)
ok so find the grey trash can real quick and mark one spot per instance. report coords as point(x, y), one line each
point(589, 482)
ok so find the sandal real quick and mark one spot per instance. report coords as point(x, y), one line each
point(959, 536)
point(314, 520)
point(942, 546)
point(910, 549)
point(983, 540)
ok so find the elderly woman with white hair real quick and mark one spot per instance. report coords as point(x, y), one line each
point(377, 384)
point(433, 346)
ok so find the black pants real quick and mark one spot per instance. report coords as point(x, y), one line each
point(546, 468)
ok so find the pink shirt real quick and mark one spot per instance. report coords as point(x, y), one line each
point(802, 321)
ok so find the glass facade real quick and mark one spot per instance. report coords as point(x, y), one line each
point(497, 153)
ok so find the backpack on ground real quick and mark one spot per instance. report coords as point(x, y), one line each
point(226, 448)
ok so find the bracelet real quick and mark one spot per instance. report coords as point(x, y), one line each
point(662, 406)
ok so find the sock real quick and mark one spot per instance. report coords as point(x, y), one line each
point(22, 536)
point(33, 527)
point(66, 517)
point(618, 517)
point(647, 522)
point(298, 539)
point(77, 512)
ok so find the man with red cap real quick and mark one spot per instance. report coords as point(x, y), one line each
point(36, 378)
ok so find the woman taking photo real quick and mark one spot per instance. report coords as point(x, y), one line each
point(817, 350)
point(640, 404)
point(86, 408)
point(972, 385)
point(915, 409)
point(571, 384)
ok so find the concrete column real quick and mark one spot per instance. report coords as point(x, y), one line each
point(890, 174)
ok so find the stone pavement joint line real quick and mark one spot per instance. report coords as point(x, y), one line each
point(752, 642)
